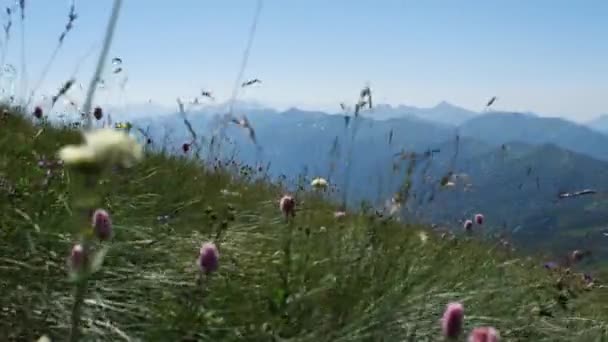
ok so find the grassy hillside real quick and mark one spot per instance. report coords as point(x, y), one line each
point(316, 278)
point(519, 187)
point(515, 186)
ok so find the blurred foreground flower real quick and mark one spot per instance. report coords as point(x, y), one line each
point(319, 183)
point(102, 224)
point(451, 323)
point(484, 334)
point(208, 259)
point(103, 147)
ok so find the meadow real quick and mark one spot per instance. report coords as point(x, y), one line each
point(315, 276)
point(114, 241)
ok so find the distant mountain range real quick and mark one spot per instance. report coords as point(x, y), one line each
point(442, 113)
point(500, 128)
point(599, 124)
point(512, 166)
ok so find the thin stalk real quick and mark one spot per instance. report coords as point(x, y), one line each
point(79, 295)
point(86, 109)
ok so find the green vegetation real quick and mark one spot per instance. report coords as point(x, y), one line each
point(315, 278)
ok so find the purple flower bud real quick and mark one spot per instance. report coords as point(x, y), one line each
point(37, 112)
point(208, 258)
point(479, 219)
point(484, 334)
point(453, 317)
point(98, 113)
point(468, 225)
point(102, 224)
point(288, 206)
point(77, 257)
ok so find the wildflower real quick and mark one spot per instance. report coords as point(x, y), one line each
point(102, 224)
point(38, 112)
point(319, 183)
point(98, 113)
point(339, 214)
point(423, 237)
point(77, 258)
point(103, 147)
point(484, 334)
point(288, 206)
point(208, 258)
point(451, 323)
point(479, 219)
point(468, 225)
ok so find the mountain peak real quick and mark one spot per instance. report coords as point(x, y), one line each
point(444, 104)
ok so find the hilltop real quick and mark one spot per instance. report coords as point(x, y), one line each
point(315, 278)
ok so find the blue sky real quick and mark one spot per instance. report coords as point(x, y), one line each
point(548, 56)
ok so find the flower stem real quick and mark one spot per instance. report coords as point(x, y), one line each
point(79, 294)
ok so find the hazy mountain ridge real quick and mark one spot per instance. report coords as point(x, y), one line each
point(499, 128)
point(599, 124)
point(501, 154)
point(443, 113)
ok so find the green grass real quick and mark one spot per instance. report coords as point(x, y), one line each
point(314, 279)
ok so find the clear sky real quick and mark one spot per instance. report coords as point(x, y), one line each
point(547, 56)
